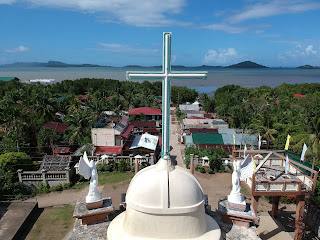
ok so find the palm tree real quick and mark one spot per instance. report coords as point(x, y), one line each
point(311, 139)
point(79, 126)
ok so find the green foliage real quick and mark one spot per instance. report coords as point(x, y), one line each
point(201, 169)
point(208, 103)
point(42, 188)
point(210, 171)
point(122, 165)
point(214, 156)
point(46, 138)
point(180, 115)
point(16, 160)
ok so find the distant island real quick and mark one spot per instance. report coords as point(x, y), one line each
point(57, 64)
point(246, 64)
point(309, 67)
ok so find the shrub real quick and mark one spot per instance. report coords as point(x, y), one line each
point(122, 167)
point(210, 171)
point(43, 188)
point(100, 167)
point(66, 185)
point(108, 167)
point(201, 169)
point(57, 187)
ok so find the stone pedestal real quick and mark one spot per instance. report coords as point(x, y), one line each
point(94, 205)
point(94, 215)
point(239, 218)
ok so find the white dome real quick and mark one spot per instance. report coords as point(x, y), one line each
point(161, 189)
point(164, 202)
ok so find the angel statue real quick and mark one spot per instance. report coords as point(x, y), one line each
point(89, 169)
point(241, 171)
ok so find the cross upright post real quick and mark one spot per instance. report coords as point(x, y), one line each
point(166, 75)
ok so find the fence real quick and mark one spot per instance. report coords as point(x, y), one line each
point(32, 178)
point(114, 158)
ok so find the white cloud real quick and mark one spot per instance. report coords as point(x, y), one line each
point(301, 55)
point(226, 28)
point(309, 50)
point(222, 56)
point(140, 13)
point(273, 8)
point(126, 49)
point(18, 49)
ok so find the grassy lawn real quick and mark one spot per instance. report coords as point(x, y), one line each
point(53, 223)
point(109, 178)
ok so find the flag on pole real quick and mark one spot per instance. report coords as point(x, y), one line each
point(234, 139)
point(244, 151)
point(259, 143)
point(287, 165)
point(303, 151)
point(254, 165)
point(287, 143)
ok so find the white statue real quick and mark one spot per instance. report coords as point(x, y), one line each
point(235, 194)
point(89, 169)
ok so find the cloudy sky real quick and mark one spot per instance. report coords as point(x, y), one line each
point(125, 32)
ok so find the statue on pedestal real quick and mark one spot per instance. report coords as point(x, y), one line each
point(89, 170)
point(241, 171)
point(235, 194)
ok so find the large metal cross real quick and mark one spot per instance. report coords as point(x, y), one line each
point(166, 75)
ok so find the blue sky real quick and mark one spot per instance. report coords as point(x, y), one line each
point(122, 32)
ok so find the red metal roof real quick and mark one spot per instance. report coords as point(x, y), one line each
point(203, 130)
point(109, 97)
point(60, 150)
point(299, 95)
point(194, 117)
point(56, 126)
point(145, 111)
point(109, 150)
point(277, 102)
point(127, 131)
point(144, 124)
point(151, 130)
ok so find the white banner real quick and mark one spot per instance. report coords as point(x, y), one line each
point(303, 151)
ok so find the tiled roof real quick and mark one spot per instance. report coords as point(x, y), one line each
point(145, 111)
point(109, 150)
point(55, 163)
point(56, 126)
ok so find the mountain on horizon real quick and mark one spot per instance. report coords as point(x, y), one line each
point(246, 64)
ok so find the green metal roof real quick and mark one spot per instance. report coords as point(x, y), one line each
point(158, 98)
point(207, 138)
point(7, 79)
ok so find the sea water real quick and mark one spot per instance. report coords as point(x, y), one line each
point(217, 77)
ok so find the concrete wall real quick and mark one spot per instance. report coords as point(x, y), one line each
point(103, 136)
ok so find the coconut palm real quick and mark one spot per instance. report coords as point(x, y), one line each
point(310, 139)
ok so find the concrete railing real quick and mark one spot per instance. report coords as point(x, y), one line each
point(148, 158)
point(51, 177)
